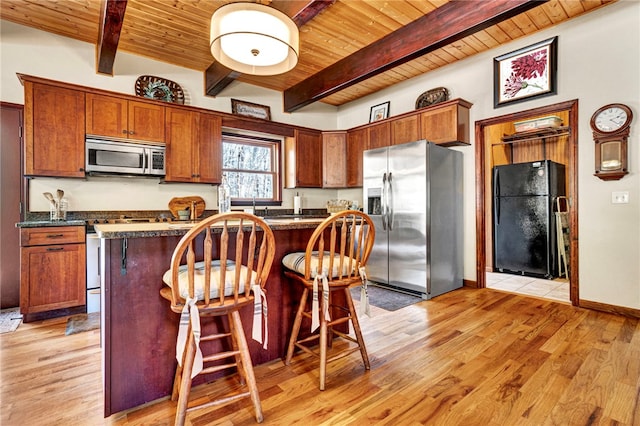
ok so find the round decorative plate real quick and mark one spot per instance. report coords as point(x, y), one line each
point(433, 96)
point(158, 88)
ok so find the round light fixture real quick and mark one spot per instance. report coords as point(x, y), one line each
point(252, 38)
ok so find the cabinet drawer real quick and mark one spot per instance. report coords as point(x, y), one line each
point(52, 235)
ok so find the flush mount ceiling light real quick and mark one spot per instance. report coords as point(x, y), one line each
point(254, 39)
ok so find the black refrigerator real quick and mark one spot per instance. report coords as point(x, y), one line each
point(524, 227)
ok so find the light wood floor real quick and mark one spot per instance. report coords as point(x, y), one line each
point(469, 357)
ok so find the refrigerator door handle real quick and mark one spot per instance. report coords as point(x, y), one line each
point(383, 202)
point(496, 198)
point(390, 201)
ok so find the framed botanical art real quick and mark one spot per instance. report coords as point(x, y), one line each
point(379, 112)
point(526, 73)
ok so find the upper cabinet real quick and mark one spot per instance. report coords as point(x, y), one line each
point(405, 129)
point(303, 159)
point(334, 159)
point(379, 135)
point(194, 146)
point(54, 131)
point(357, 141)
point(446, 123)
point(123, 118)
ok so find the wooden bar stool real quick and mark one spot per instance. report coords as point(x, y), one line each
point(334, 261)
point(208, 280)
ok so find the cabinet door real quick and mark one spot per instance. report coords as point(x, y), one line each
point(405, 129)
point(52, 277)
point(307, 160)
point(210, 149)
point(181, 148)
point(146, 121)
point(54, 131)
point(107, 116)
point(357, 140)
point(446, 126)
point(334, 162)
point(379, 135)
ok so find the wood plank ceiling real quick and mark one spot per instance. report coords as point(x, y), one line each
point(177, 32)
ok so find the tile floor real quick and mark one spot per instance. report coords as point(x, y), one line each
point(557, 289)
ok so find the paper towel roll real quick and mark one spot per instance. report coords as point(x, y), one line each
point(296, 204)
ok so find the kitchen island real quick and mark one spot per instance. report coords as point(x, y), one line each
point(138, 327)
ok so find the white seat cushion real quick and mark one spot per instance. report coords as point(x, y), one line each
point(183, 279)
point(295, 262)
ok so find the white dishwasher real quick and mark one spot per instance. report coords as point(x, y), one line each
point(93, 272)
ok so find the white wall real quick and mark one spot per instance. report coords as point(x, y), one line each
point(28, 51)
point(598, 64)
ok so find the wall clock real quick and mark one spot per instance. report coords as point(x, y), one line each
point(611, 126)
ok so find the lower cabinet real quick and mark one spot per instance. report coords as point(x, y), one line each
point(52, 269)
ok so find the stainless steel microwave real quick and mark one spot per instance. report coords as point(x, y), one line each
point(124, 158)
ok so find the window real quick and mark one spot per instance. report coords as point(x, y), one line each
point(251, 166)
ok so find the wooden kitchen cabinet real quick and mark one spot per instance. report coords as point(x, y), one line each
point(379, 135)
point(54, 131)
point(112, 116)
point(52, 269)
point(334, 159)
point(405, 129)
point(303, 159)
point(193, 146)
point(446, 123)
point(357, 141)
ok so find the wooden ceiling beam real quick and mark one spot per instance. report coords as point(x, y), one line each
point(111, 17)
point(217, 76)
point(447, 24)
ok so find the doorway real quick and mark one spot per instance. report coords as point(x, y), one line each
point(11, 193)
point(490, 151)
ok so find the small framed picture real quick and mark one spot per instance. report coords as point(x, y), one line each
point(526, 73)
point(250, 110)
point(379, 112)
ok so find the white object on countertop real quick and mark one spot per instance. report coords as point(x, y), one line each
point(296, 204)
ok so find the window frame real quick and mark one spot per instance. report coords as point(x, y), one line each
point(275, 145)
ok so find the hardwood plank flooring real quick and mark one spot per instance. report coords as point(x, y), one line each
point(469, 357)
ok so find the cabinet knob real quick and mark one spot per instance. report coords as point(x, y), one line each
point(131, 132)
point(124, 131)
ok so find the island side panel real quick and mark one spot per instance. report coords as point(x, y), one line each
point(140, 329)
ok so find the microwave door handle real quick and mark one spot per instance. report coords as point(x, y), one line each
point(145, 160)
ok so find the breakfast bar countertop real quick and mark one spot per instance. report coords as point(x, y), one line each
point(167, 229)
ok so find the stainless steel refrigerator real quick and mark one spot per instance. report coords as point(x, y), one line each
point(413, 193)
point(524, 228)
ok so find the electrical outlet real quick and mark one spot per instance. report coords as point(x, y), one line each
point(621, 197)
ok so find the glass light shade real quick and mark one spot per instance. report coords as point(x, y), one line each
point(254, 39)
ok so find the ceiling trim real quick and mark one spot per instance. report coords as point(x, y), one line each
point(447, 24)
point(111, 17)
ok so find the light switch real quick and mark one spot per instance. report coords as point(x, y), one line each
point(620, 197)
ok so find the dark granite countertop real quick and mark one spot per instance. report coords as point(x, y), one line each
point(50, 223)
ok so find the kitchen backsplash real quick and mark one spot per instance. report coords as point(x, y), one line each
point(147, 194)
